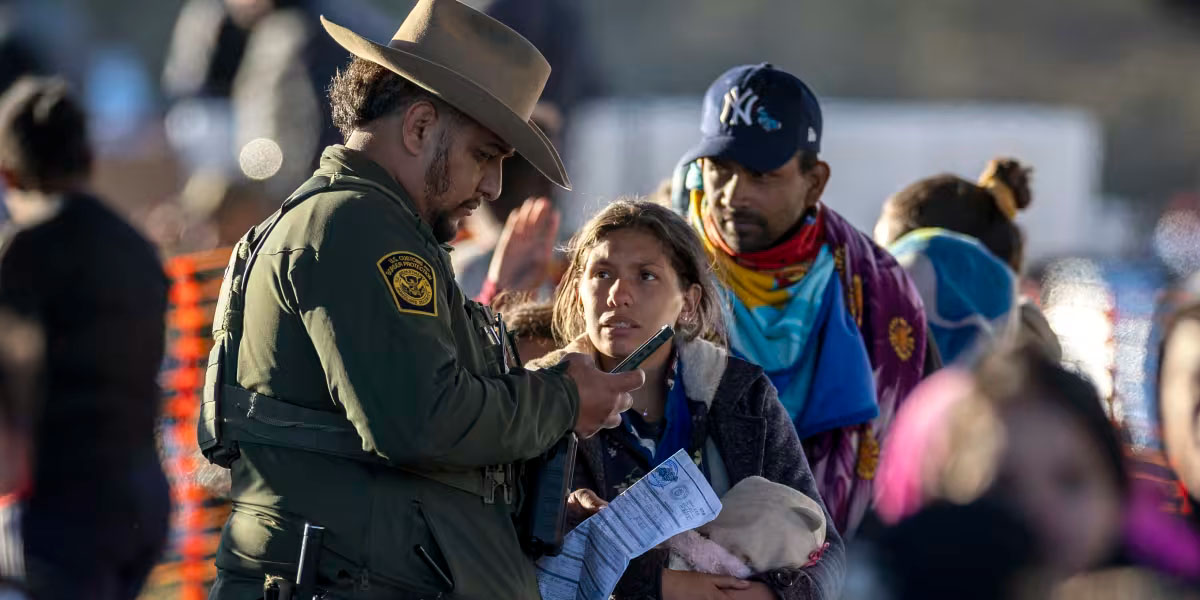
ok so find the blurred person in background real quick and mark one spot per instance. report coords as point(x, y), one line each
point(985, 211)
point(530, 323)
point(662, 193)
point(1163, 546)
point(17, 59)
point(207, 46)
point(211, 211)
point(17, 56)
point(95, 518)
point(970, 296)
point(1122, 583)
point(1021, 429)
point(255, 73)
point(946, 551)
point(249, 111)
point(280, 108)
point(832, 318)
point(1179, 414)
point(634, 267)
point(508, 251)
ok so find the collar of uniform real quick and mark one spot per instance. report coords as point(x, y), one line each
point(340, 160)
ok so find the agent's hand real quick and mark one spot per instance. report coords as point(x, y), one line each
point(602, 396)
point(526, 247)
point(582, 504)
point(687, 585)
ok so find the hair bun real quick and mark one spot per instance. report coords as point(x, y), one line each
point(1014, 175)
point(53, 103)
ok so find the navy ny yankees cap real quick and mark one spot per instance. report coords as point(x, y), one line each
point(759, 117)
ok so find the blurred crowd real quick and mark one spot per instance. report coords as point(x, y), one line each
point(915, 401)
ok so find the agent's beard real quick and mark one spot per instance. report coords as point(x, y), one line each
point(437, 183)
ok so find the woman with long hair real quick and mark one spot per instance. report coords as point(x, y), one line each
point(635, 267)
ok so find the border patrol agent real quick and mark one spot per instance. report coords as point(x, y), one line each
point(352, 385)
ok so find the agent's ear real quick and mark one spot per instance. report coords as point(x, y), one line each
point(418, 127)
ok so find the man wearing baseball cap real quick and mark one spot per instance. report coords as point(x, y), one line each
point(352, 386)
point(829, 315)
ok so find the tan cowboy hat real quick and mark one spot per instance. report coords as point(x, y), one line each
point(477, 65)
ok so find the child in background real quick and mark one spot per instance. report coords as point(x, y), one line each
point(985, 210)
point(970, 295)
point(1176, 549)
point(529, 322)
point(1021, 429)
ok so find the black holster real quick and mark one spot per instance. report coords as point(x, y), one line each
point(543, 518)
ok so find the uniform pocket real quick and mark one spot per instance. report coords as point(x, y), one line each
point(434, 550)
point(479, 547)
point(396, 559)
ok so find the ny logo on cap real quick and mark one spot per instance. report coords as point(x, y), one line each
point(739, 110)
point(738, 107)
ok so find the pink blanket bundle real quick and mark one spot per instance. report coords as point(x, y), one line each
point(763, 526)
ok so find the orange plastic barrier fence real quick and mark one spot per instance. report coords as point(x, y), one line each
point(187, 570)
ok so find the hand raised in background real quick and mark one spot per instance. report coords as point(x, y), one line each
point(523, 255)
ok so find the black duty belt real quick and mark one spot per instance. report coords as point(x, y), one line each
point(255, 418)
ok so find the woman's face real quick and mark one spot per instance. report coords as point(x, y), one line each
point(1180, 403)
point(629, 290)
point(1059, 476)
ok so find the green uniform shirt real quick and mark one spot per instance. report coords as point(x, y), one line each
point(352, 307)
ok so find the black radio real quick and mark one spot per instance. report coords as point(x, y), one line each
point(549, 477)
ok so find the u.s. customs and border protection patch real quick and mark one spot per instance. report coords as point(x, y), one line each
point(412, 282)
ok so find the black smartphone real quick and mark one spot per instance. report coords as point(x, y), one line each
point(644, 351)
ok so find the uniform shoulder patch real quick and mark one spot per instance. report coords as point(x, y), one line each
point(412, 282)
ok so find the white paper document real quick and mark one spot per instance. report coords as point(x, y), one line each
point(671, 499)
